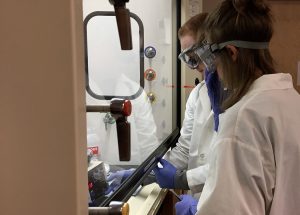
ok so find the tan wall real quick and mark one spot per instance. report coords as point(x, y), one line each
point(42, 127)
point(285, 45)
point(209, 5)
point(188, 76)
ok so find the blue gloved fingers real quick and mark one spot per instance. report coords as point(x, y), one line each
point(158, 176)
point(113, 185)
point(115, 175)
point(182, 208)
point(156, 170)
point(121, 174)
point(163, 162)
point(178, 207)
point(111, 176)
point(129, 172)
point(193, 208)
point(166, 164)
point(187, 206)
point(181, 197)
point(115, 179)
point(165, 175)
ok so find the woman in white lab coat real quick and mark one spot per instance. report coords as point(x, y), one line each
point(254, 161)
point(184, 167)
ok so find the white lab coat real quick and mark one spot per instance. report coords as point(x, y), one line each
point(196, 133)
point(255, 158)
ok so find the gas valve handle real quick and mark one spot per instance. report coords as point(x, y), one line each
point(119, 109)
point(123, 23)
point(123, 132)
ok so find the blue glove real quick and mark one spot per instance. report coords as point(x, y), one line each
point(214, 93)
point(115, 179)
point(165, 175)
point(187, 205)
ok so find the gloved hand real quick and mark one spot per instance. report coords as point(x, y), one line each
point(115, 179)
point(214, 93)
point(165, 175)
point(187, 205)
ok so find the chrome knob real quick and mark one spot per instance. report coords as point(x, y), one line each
point(150, 52)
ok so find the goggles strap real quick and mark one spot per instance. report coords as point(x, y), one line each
point(240, 44)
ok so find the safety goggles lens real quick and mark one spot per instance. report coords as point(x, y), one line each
point(189, 57)
point(206, 56)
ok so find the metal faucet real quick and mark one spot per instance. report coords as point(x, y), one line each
point(119, 109)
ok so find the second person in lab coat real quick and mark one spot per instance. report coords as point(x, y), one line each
point(184, 167)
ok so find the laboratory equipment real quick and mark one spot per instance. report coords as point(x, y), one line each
point(97, 184)
point(120, 109)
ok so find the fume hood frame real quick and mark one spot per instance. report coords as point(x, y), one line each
point(141, 56)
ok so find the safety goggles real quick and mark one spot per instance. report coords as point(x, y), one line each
point(206, 52)
point(190, 57)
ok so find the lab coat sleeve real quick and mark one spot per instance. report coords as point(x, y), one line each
point(196, 178)
point(235, 180)
point(179, 155)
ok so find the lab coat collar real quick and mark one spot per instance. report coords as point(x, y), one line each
point(272, 82)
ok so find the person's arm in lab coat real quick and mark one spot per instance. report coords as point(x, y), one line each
point(196, 178)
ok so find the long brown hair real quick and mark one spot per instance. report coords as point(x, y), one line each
point(247, 20)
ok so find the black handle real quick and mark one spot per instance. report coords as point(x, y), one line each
point(123, 22)
point(123, 131)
